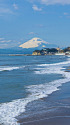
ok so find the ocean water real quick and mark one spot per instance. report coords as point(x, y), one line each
point(25, 79)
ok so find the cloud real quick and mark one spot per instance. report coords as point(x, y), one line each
point(2, 40)
point(41, 26)
point(31, 33)
point(52, 2)
point(15, 6)
point(66, 14)
point(5, 10)
point(36, 8)
point(8, 43)
point(3, 46)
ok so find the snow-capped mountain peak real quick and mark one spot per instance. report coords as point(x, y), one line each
point(33, 43)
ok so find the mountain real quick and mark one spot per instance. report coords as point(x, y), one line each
point(35, 44)
point(28, 47)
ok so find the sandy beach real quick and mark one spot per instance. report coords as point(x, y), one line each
point(57, 113)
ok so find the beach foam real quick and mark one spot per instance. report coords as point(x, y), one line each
point(9, 111)
point(56, 68)
point(8, 68)
point(56, 64)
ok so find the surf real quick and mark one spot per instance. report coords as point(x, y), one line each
point(9, 111)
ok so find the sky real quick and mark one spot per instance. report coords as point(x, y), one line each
point(22, 20)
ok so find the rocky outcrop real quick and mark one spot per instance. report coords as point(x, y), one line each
point(36, 53)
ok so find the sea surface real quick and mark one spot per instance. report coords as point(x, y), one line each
point(25, 81)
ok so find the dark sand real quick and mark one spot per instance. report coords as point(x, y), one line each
point(60, 116)
point(53, 121)
point(57, 112)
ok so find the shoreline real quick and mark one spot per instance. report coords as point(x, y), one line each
point(35, 55)
point(51, 121)
point(58, 112)
point(44, 107)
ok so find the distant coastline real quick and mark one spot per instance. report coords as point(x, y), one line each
point(52, 51)
point(42, 52)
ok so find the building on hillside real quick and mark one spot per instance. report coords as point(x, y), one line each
point(58, 49)
point(67, 53)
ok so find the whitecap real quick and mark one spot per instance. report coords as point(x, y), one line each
point(8, 68)
point(9, 111)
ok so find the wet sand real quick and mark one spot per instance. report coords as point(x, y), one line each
point(52, 121)
point(57, 113)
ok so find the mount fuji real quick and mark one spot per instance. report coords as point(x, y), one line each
point(36, 44)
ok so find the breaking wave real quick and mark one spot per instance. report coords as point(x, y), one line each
point(8, 68)
point(9, 111)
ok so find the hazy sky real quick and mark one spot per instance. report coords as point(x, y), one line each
point(21, 20)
